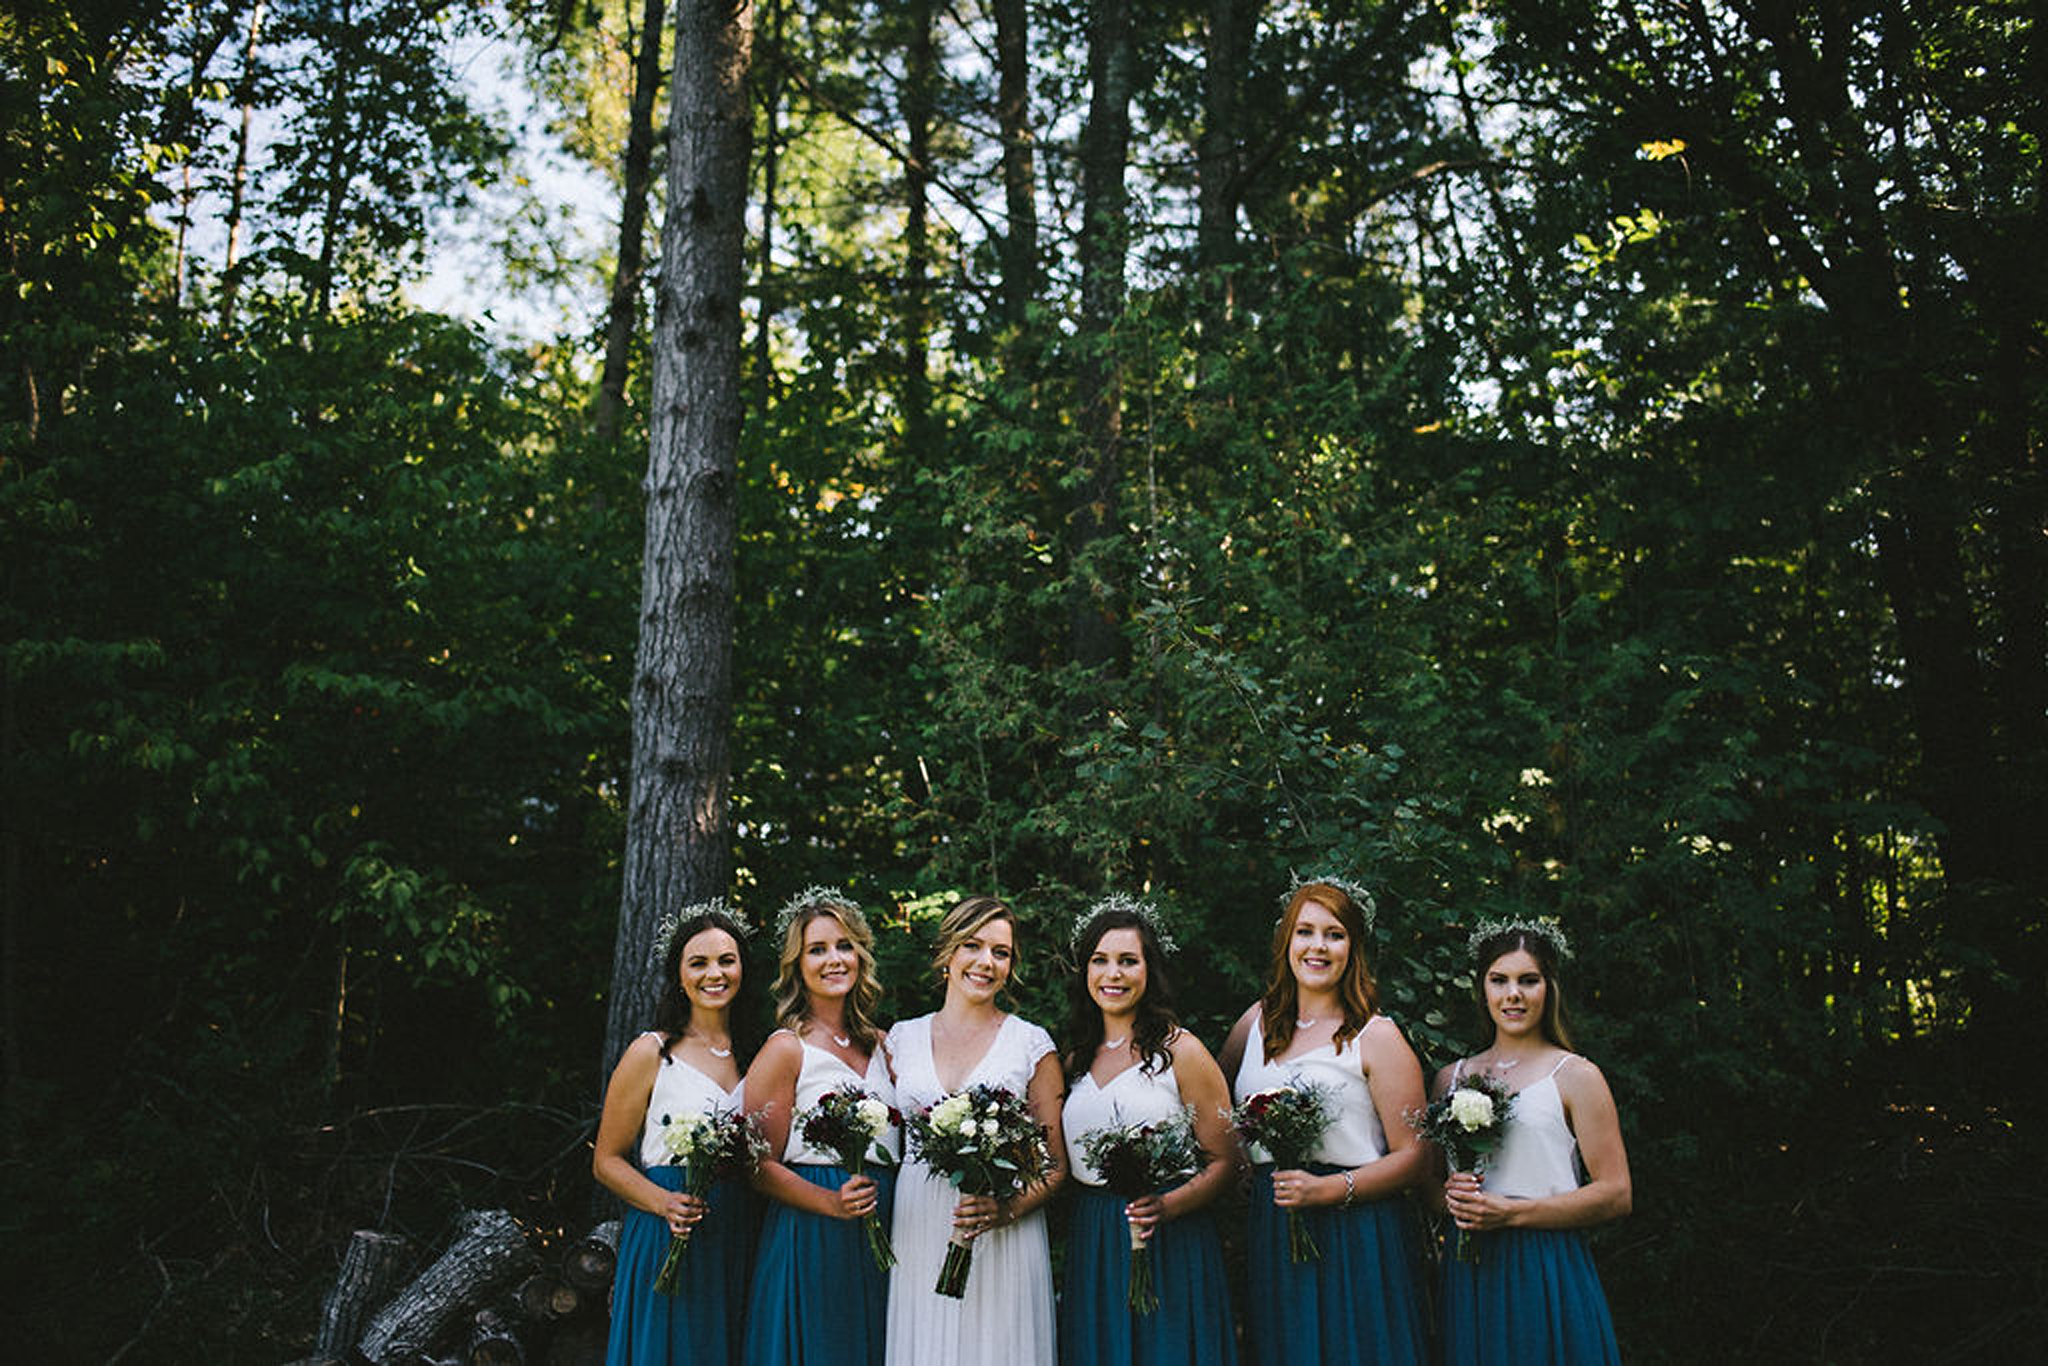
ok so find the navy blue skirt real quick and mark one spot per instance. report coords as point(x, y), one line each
point(1534, 1297)
point(701, 1325)
point(818, 1297)
point(1359, 1305)
point(1191, 1326)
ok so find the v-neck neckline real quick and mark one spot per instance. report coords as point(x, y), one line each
point(931, 1044)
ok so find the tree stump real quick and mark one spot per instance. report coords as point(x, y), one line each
point(588, 1265)
point(492, 1341)
point(488, 1255)
point(368, 1268)
point(545, 1297)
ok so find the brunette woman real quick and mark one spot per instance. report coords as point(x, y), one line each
point(1532, 1294)
point(1129, 1062)
point(686, 1063)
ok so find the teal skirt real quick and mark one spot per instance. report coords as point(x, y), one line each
point(818, 1298)
point(1534, 1297)
point(1360, 1304)
point(701, 1325)
point(1191, 1326)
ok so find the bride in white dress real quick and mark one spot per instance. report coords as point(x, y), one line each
point(1006, 1317)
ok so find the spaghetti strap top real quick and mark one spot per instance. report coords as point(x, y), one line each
point(823, 1071)
point(679, 1089)
point(1354, 1137)
point(1132, 1096)
point(1539, 1155)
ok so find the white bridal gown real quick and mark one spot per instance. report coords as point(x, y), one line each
point(1006, 1318)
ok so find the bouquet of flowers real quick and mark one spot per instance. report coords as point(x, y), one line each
point(985, 1142)
point(849, 1123)
point(1468, 1122)
point(1288, 1122)
point(1135, 1160)
point(710, 1144)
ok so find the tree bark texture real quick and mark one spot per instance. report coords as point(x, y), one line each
point(1228, 49)
point(1105, 238)
point(488, 1256)
point(919, 75)
point(590, 1262)
point(368, 1268)
point(623, 316)
point(1020, 185)
point(678, 823)
point(493, 1341)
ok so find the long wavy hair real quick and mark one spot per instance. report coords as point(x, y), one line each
point(793, 1003)
point(672, 1007)
point(1156, 1022)
point(1491, 950)
point(967, 918)
point(1356, 991)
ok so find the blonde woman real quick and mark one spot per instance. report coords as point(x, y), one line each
point(818, 1295)
point(1006, 1315)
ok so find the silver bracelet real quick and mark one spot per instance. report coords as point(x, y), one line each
point(1350, 1191)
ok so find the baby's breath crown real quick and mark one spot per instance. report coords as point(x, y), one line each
point(1544, 929)
point(804, 900)
point(665, 932)
point(1120, 901)
point(1360, 897)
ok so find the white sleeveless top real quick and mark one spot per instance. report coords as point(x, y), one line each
point(679, 1089)
point(823, 1071)
point(1132, 1096)
point(1538, 1156)
point(1354, 1137)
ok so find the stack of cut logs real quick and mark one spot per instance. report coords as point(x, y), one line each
point(486, 1301)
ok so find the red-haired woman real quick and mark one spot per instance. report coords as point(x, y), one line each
point(1319, 1024)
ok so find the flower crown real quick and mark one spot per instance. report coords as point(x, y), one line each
point(1119, 901)
point(807, 898)
point(1546, 929)
point(665, 932)
point(1367, 907)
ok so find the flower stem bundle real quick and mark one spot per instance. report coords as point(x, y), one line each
point(1468, 1123)
point(1136, 1160)
point(707, 1145)
point(1288, 1122)
point(849, 1123)
point(985, 1141)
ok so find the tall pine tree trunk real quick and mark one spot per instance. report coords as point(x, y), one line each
point(238, 179)
point(919, 75)
point(1105, 236)
point(678, 826)
point(1216, 155)
point(1020, 188)
point(623, 316)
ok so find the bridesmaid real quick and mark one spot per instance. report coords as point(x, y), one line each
point(1534, 1295)
point(1128, 1061)
point(818, 1296)
point(1006, 1317)
point(1319, 1021)
point(685, 1063)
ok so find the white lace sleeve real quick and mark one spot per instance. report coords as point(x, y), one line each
point(1037, 1043)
